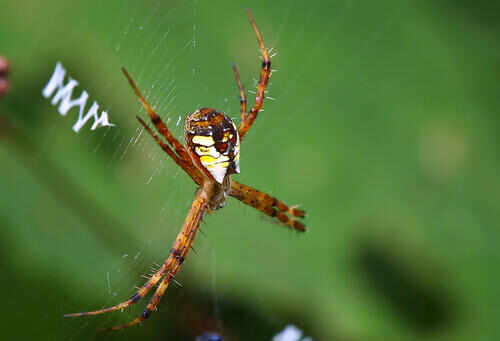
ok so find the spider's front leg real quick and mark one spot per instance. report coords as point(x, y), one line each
point(179, 153)
point(265, 73)
point(269, 205)
point(261, 201)
point(243, 98)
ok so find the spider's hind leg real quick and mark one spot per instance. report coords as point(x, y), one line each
point(182, 245)
point(167, 271)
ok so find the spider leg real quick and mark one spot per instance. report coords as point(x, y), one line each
point(192, 171)
point(169, 268)
point(269, 205)
point(156, 120)
point(181, 157)
point(243, 98)
point(185, 238)
point(265, 73)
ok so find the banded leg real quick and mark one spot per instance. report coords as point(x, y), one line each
point(243, 98)
point(269, 205)
point(193, 172)
point(163, 130)
point(179, 255)
point(169, 268)
point(265, 73)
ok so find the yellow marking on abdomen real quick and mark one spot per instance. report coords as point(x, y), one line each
point(206, 159)
point(211, 151)
point(206, 141)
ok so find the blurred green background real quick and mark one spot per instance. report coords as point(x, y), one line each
point(384, 128)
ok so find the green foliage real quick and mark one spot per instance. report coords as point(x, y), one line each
point(384, 129)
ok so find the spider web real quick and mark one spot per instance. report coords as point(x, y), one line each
point(166, 57)
point(143, 42)
point(181, 61)
point(384, 127)
point(168, 60)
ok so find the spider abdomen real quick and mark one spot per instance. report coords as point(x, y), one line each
point(213, 143)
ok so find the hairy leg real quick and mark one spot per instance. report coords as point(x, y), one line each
point(265, 73)
point(269, 205)
point(181, 157)
point(168, 270)
point(189, 168)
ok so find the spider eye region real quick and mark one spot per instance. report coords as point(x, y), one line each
point(213, 143)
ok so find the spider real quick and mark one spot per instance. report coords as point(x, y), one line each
point(211, 155)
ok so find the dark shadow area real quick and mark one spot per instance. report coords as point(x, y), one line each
point(194, 312)
point(418, 298)
point(484, 12)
